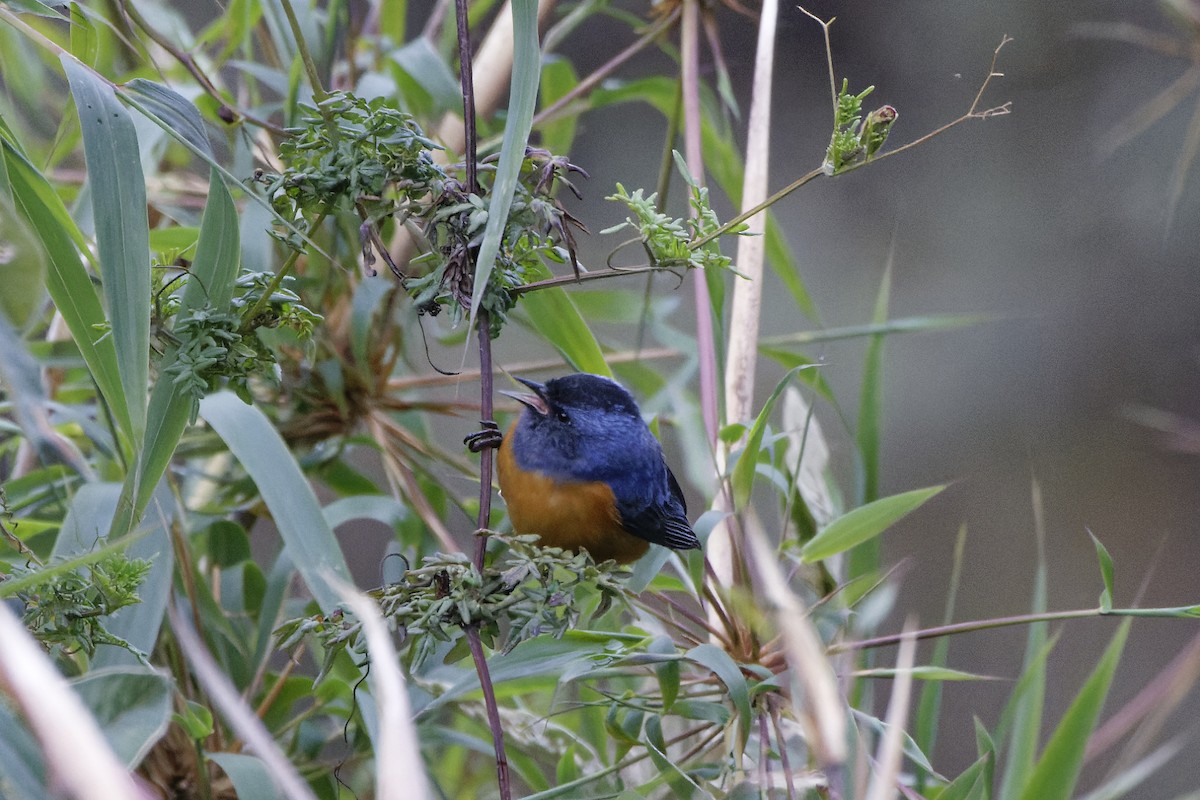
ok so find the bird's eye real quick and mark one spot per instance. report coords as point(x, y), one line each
point(563, 416)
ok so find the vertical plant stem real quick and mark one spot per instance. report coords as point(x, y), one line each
point(483, 330)
point(310, 66)
point(468, 91)
point(742, 354)
point(493, 712)
point(482, 325)
point(694, 155)
point(725, 546)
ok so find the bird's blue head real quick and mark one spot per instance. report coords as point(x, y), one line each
point(582, 427)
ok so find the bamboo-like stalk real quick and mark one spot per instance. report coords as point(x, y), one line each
point(742, 353)
point(399, 770)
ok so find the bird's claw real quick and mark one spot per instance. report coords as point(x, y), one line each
point(489, 437)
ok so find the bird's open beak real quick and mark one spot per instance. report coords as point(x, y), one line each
point(536, 401)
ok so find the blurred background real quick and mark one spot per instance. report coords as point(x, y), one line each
point(1035, 218)
point(1080, 246)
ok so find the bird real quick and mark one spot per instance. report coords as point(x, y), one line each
point(580, 468)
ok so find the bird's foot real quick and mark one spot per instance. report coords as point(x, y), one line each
point(489, 437)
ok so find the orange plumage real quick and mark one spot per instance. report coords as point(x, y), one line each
point(566, 514)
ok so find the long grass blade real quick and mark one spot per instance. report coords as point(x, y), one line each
point(293, 505)
point(1056, 772)
point(522, 102)
point(118, 193)
point(67, 280)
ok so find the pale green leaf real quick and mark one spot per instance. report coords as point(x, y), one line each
point(172, 108)
point(67, 280)
point(293, 505)
point(1106, 573)
point(747, 464)
point(864, 523)
point(132, 705)
point(522, 100)
point(249, 775)
point(118, 194)
point(553, 314)
point(718, 661)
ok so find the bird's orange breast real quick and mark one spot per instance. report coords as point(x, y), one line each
point(566, 514)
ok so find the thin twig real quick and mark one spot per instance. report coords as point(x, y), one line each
point(972, 113)
point(1000, 622)
point(483, 329)
point(607, 68)
point(310, 66)
point(584, 277)
point(189, 63)
point(489, 702)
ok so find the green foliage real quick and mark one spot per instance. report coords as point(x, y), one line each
point(856, 139)
point(534, 591)
point(537, 234)
point(670, 241)
point(67, 609)
point(215, 349)
point(352, 150)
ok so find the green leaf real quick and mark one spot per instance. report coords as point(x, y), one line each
point(865, 559)
point(1023, 714)
point(553, 314)
point(250, 777)
point(1024, 709)
point(421, 61)
point(924, 673)
point(228, 544)
point(84, 42)
point(172, 108)
point(971, 784)
point(522, 100)
point(370, 300)
point(864, 523)
point(88, 516)
point(195, 719)
point(667, 671)
point(67, 280)
point(35, 7)
point(293, 505)
point(1057, 771)
point(132, 707)
point(747, 464)
point(919, 324)
point(22, 266)
point(929, 707)
point(22, 769)
point(1106, 573)
point(122, 231)
point(880, 728)
point(718, 661)
point(21, 377)
point(210, 283)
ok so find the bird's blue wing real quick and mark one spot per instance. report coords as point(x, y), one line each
point(661, 518)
